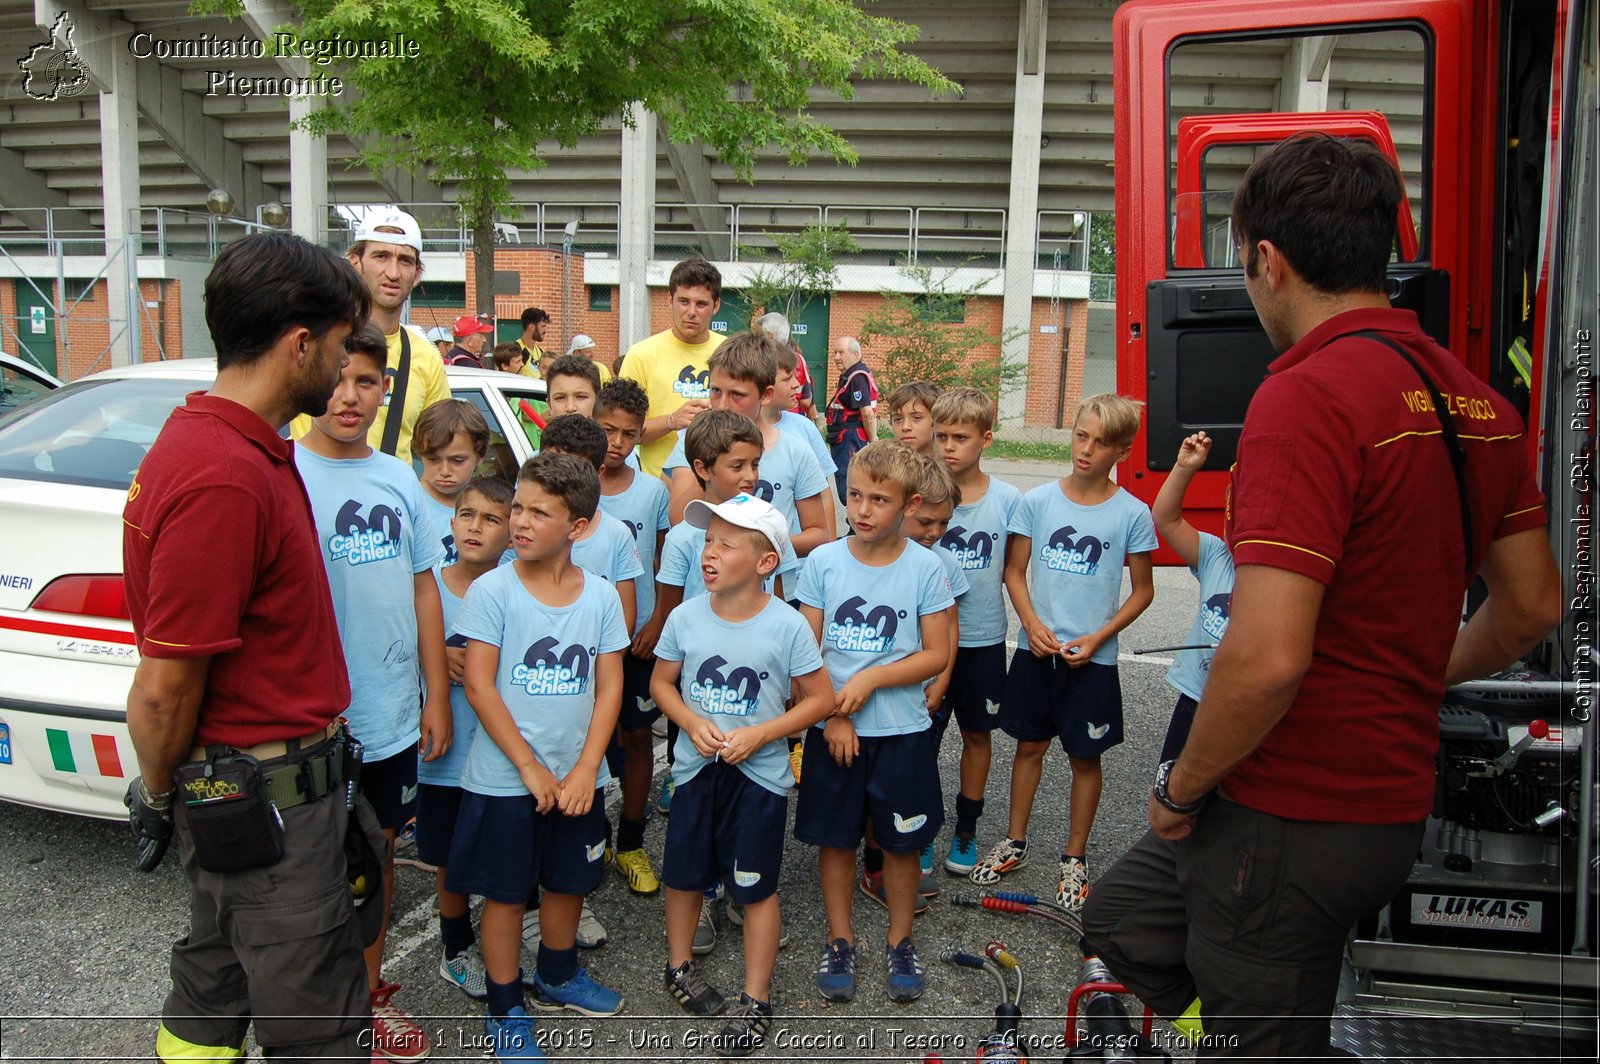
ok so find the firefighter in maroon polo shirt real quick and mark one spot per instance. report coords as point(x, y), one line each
point(241, 676)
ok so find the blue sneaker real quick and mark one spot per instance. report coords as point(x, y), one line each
point(511, 1039)
point(664, 799)
point(581, 994)
point(836, 975)
point(963, 855)
point(905, 971)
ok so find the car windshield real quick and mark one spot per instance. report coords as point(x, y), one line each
point(18, 387)
point(93, 432)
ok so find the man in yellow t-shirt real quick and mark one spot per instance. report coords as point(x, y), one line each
point(671, 366)
point(534, 322)
point(387, 253)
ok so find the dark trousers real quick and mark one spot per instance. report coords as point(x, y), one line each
point(1250, 913)
point(278, 944)
point(843, 451)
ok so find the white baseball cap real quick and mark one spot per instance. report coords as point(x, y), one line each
point(440, 333)
point(389, 225)
point(581, 342)
point(747, 511)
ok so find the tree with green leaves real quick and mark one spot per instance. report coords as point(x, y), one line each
point(807, 268)
point(925, 336)
point(501, 82)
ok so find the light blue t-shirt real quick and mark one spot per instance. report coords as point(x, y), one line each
point(546, 672)
point(977, 537)
point(872, 615)
point(376, 534)
point(737, 675)
point(446, 771)
point(442, 515)
point(797, 425)
point(680, 559)
point(641, 508)
point(955, 578)
point(1215, 573)
point(1075, 572)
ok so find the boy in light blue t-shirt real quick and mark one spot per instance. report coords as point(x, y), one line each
point(1212, 564)
point(1076, 534)
point(380, 547)
point(639, 503)
point(875, 603)
point(480, 529)
point(544, 676)
point(963, 426)
point(450, 441)
point(723, 671)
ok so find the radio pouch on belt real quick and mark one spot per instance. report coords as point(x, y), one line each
point(233, 825)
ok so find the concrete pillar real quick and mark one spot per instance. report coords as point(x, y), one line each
point(635, 226)
point(119, 171)
point(1022, 215)
point(308, 174)
point(1305, 74)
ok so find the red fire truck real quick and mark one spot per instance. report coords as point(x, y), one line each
point(1488, 108)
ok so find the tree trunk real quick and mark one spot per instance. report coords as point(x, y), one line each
point(483, 252)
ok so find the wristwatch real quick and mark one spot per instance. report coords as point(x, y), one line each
point(1160, 792)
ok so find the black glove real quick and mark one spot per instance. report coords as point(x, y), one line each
point(150, 820)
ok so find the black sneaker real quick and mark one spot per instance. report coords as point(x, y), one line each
point(691, 990)
point(745, 1029)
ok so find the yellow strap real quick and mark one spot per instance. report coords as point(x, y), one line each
point(171, 1049)
point(1189, 1024)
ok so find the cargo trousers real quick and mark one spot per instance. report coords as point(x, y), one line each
point(1250, 913)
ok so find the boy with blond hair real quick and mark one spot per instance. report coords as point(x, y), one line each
point(874, 602)
point(723, 671)
point(963, 427)
point(1063, 684)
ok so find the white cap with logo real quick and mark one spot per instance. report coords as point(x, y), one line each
point(389, 225)
point(747, 511)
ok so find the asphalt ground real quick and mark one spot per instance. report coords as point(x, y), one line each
point(84, 937)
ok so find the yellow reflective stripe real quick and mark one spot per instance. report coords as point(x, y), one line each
point(1286, 546)
point(170, 1049)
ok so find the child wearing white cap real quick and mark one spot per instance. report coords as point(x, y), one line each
point(724, 664)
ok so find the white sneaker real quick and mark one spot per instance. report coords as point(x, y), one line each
point(465, 972)
point(591, 932)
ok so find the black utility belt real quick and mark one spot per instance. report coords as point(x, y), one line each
point(232, 803)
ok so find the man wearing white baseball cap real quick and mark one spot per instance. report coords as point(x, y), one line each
point(724, 665)
point(387, 253)
point(584, 345)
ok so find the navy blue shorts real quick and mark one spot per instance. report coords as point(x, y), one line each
point(638, 708)
point(390, 786)
point(976, 685)
point(504, 848)
point(725, 828)
point(894, 780)
point(1178, 728)
point(438, 806)
point(1048, 699)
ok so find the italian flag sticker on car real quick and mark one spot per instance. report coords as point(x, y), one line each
point(82, 753)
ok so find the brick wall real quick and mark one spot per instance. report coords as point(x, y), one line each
point(83, 333)
point(540, 273)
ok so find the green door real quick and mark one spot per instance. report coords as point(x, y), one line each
point(808, 327)
point(36, 326)
point(734, 314)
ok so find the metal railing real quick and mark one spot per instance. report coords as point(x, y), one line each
point(892, 234)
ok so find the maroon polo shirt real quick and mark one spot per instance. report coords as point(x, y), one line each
point(1342, 477)
point(220, 558)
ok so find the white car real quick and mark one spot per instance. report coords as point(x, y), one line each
point(66, 645)
point(21, 382)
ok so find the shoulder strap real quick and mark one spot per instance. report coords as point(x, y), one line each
point(1447, 431)
point(397, 397)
